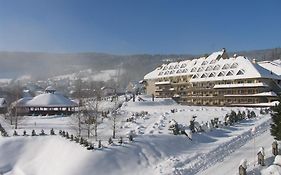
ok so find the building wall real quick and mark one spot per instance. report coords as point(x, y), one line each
point(204, 93)
point(150, 87)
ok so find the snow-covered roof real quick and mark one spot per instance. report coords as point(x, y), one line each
point(22, 102)
point(212, 68)
point(274, 66)
point(50, 89)
point(277, 160)
point(2, 102)
point(261, 150)
point(243, 162)
point(46, 100)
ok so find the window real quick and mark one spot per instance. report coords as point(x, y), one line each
point(195, 76)
point(194, 62)
point(234, 65)
point(160, 73)
point(221, 74)
point(217, 67)
point(203, 76)
point(213, 62)
point(209, 68)
point(193, 69)
point(184, 70)
point(204, 62)
point(183, 65)
point(177, 66)
point(165, 68)
point(172, 71)
point(166, 73)
point(212, 74)
point(171, 67)
point(200, 69)
point(240, 72)
point(226, 66)
point(229, 73)
point(179, 71)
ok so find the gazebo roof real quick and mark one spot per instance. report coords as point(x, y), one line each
point(47, 100)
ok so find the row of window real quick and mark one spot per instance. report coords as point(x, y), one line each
point(220, 74)
point(195, 69)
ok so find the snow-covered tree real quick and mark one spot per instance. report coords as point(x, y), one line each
point(276, 122)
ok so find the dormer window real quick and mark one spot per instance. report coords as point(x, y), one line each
point(165, 68)
point(221, 74)
point(213, 62)
point(226, 66)
point(204, 62)
point(240, 72)
point(229, 73)
point(183, 65)
point(193, 69)
point(203, 76)
point(209, 68)
point(212, 74)
point(217, 67)
point(171, 67)
point(200, 69)
point(160, 73)
point(179, 71)
point(195, 76)
point(184, 71)
point(234, 65)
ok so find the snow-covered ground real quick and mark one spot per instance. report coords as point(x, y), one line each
point(154, 150)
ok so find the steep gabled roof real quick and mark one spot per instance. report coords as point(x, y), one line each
point(224, 67)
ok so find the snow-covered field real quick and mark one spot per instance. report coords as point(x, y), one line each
point(155, 150)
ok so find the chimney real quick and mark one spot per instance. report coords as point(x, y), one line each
point(254, 61)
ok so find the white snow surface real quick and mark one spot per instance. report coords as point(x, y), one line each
point(154, 150)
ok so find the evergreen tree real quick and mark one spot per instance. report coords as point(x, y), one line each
point(276, 122)
point(42, 132)
point(52, 132)
point(120, 141)
point(15, 133)
point(243, 115)
point(253, 114)
point(99, 145)
point(131, 138)
point(239, 115)
point(191, 126)
point(110, 141)
point(24, 133)
point(33, 133)
point(71, 137)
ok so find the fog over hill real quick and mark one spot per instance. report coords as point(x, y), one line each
point(44, 65)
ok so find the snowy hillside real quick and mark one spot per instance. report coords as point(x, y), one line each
point(155, 150)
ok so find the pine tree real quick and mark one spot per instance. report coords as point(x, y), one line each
point(33, 133)
point(276, 122)
point(52, 132)
point(110, 141)
point(15, 133)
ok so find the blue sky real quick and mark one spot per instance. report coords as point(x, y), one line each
point(139, 26)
